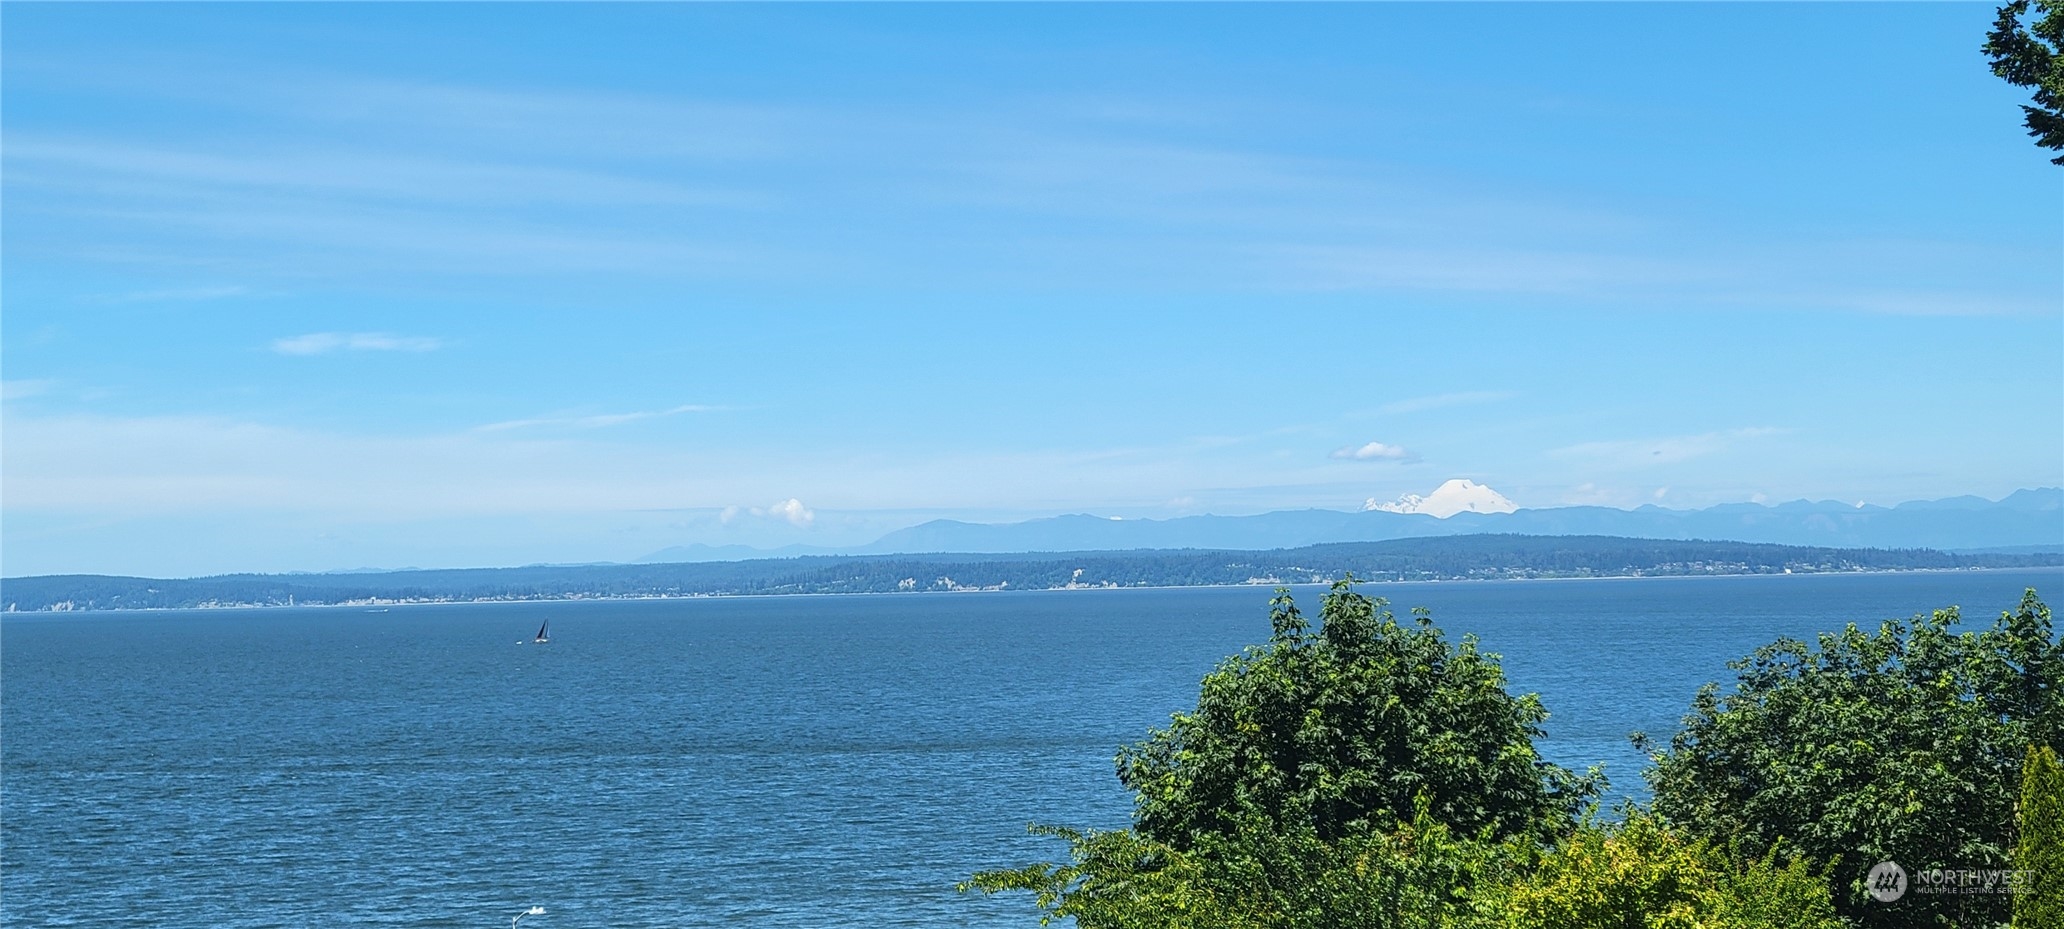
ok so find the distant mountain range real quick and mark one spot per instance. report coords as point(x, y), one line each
point(2026, 520)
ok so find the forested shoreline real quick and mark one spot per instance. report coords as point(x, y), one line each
point(1472, 557)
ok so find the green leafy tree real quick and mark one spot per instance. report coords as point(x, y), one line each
point(1415, 875)
point(1120, 880)
point(1638, 874)
point(1363, 774)
point(2039, 850)
point(1342, 730)
point(1902, 745)
point(2029, 56)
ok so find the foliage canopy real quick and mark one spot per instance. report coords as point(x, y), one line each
point(1410, 875)
point(2039, 847)
point(1900, 745)
point(2032, 56)
point(1343, 730)
point(1371, 774)
point(1639, 873)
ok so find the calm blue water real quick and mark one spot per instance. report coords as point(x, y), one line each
point(779, 762)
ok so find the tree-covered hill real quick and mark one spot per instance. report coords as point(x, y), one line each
point(1441, 558)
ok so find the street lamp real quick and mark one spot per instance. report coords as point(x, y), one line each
point(533, 911)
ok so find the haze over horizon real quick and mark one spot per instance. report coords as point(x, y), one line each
point(318, 287)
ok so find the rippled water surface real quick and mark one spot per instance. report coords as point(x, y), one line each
point(775, 762)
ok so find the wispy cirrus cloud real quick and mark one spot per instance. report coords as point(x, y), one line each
point(532, 119)
point(1529, 269)
point(174, 295)
point(346, 208)
point(323, 343)
point(94, 164)
point(1443, 401)
point(1375, 451)
point(1935, 303)
point(597, 421)
point(20, 388)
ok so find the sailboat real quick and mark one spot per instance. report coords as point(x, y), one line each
point(542, 638)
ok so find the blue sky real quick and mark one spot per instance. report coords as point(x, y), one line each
point(305, 287)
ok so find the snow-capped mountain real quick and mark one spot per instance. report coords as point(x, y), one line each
point(1455, 496)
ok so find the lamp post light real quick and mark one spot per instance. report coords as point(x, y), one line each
point(533, 911)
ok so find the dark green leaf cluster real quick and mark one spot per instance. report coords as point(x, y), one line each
point(1342, 729)
point(2039, 849)
point(1417, 874)
point(1902, 744)
point(2029, 56)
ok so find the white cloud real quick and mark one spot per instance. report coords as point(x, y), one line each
point(1443, 401)
point(791, 510)
point(1375, 451)
point(321, 343)
point(599, 420)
